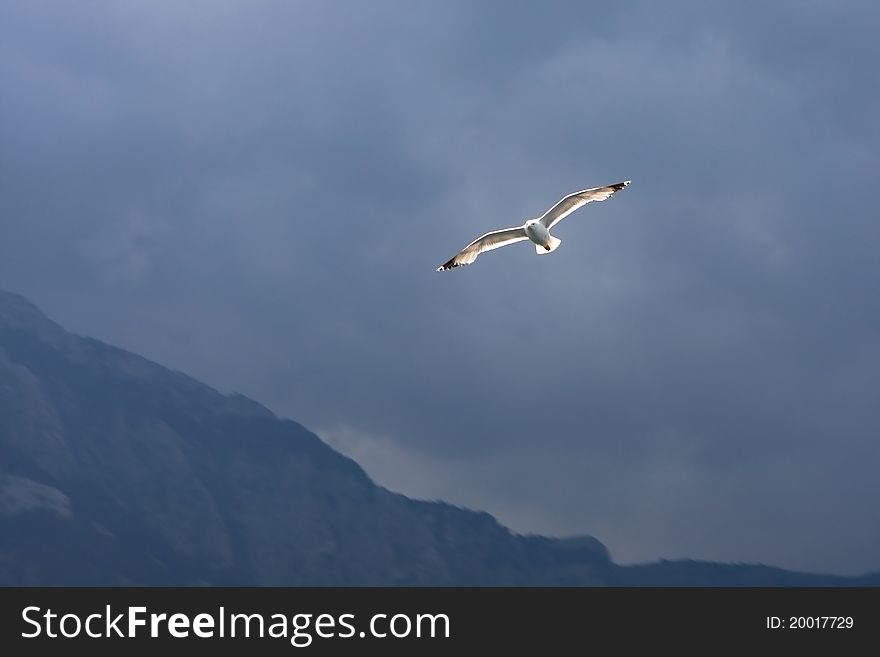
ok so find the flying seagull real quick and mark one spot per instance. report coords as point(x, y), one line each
point(537, 230)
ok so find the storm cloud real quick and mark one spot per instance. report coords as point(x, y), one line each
point(258, 194)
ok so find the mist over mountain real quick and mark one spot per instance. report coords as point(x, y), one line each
point(117, 471)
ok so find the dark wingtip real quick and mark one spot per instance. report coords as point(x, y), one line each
point(446, 266)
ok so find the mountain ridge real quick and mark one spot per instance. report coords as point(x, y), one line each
point(115, 470)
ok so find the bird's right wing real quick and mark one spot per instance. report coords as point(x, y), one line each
point(494, 240)
point(572, 202)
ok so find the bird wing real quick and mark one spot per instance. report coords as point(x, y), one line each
point(573, 201)
point(487, 242)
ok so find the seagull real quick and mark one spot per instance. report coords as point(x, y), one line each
point(536, 230)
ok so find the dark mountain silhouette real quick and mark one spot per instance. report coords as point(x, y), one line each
point(116, 471)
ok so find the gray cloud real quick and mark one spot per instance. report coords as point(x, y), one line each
point(259, 194)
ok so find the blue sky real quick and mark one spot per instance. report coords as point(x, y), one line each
point(258, 194)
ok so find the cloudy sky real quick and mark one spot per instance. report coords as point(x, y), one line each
point(258, 194)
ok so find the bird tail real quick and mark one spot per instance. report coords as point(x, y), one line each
point(554, 243)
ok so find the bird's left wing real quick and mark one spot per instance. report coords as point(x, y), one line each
point(487, 242)
point(573, 201)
